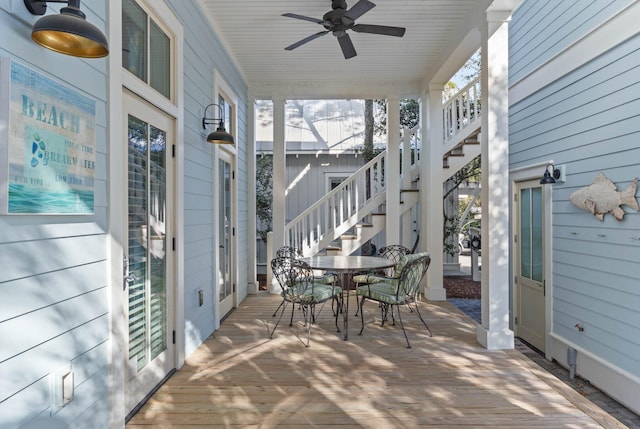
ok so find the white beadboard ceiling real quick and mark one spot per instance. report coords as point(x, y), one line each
point(256, 33)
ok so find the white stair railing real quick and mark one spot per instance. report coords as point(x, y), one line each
point(461, 114)
point(339, 210)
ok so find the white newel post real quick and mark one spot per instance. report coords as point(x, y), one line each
point(431, 235)
point(393, 171)
point(494, 332)
point(279, 184)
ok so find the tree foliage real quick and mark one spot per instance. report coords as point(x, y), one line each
point(264, 194)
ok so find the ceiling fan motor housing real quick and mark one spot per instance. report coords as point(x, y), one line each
point(339, 4)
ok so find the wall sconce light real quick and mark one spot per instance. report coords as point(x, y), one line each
point(69, 32)
point(219, 136)
point(553, 176)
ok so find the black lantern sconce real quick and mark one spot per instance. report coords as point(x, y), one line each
point(552, 174)
point(69, 32)
point(220, 135)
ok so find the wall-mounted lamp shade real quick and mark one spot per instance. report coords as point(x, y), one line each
point(220, 135)
point(68, 32)
point(550, 178)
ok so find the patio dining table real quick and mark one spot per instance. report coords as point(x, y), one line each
point(346, 266)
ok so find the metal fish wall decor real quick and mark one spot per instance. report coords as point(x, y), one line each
point(602, 197)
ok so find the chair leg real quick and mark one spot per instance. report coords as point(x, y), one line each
point(403, 330)
point(308, 320)
point(362, 298)
point(293, 307)
point(336, 313)
point(284, 306)
point(276, 312)
point(422, 320)
point(384, 313)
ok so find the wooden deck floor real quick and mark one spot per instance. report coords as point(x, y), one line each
point(241, 378)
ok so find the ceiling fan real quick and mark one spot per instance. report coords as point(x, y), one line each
point(339, 20)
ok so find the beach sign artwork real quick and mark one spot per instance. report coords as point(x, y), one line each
point(48, 153)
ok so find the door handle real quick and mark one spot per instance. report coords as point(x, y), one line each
point(128, 276)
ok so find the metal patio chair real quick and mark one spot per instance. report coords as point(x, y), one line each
point(404, 291)
point(393, 252)
point(299, 288)
point(295, 253)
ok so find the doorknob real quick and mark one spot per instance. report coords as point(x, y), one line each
point(129, 276)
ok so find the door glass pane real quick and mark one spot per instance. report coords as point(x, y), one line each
point(157, 241)
point(137, 198)
point(224, 171)
point(134, 39)
point(525, 233)
point(227, 114)
point(160, 60)
point(147, 241)
point(536, 234)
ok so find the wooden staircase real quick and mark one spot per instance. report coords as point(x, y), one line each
point(354, 211)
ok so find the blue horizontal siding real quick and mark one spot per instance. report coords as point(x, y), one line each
point(541, 30)
point(588, 120)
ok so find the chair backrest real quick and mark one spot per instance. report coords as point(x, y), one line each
point(412, 272)
point(294, 276)
point(393, 252)
point(289, 251)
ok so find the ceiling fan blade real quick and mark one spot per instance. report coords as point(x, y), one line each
point(306, 18)
point(379, 29)
point(305, 40)
point(359, 9)
point(348, 50)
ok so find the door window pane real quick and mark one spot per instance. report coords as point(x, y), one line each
point(147, 241)
point(536, 234)
point(137, 199)
point(157, 241)
point(525, 233)
point(531, 238)
point(225, 229)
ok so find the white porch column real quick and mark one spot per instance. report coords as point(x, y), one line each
point(252, 275)
point(393, 171)
point(494, 332)
point(279, 183)
point(408, 217)
point(431, 235)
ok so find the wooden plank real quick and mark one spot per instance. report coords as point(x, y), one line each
point(241, 378)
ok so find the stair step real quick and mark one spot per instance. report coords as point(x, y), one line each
point(364, 225)
point(348, 237)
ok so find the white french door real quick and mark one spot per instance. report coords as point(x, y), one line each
point(226, 234)
point(530, 309)
point(149, 287)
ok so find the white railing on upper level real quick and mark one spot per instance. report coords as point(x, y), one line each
point(461, 114)
point(411, 146)
point(339, 210)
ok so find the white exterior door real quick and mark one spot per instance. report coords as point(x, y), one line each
point(150, 288)
point(226, 234)
point(530, 310)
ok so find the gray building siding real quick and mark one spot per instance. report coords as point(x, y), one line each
point(307, 178)
point(589, 120)
point(53, 270)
